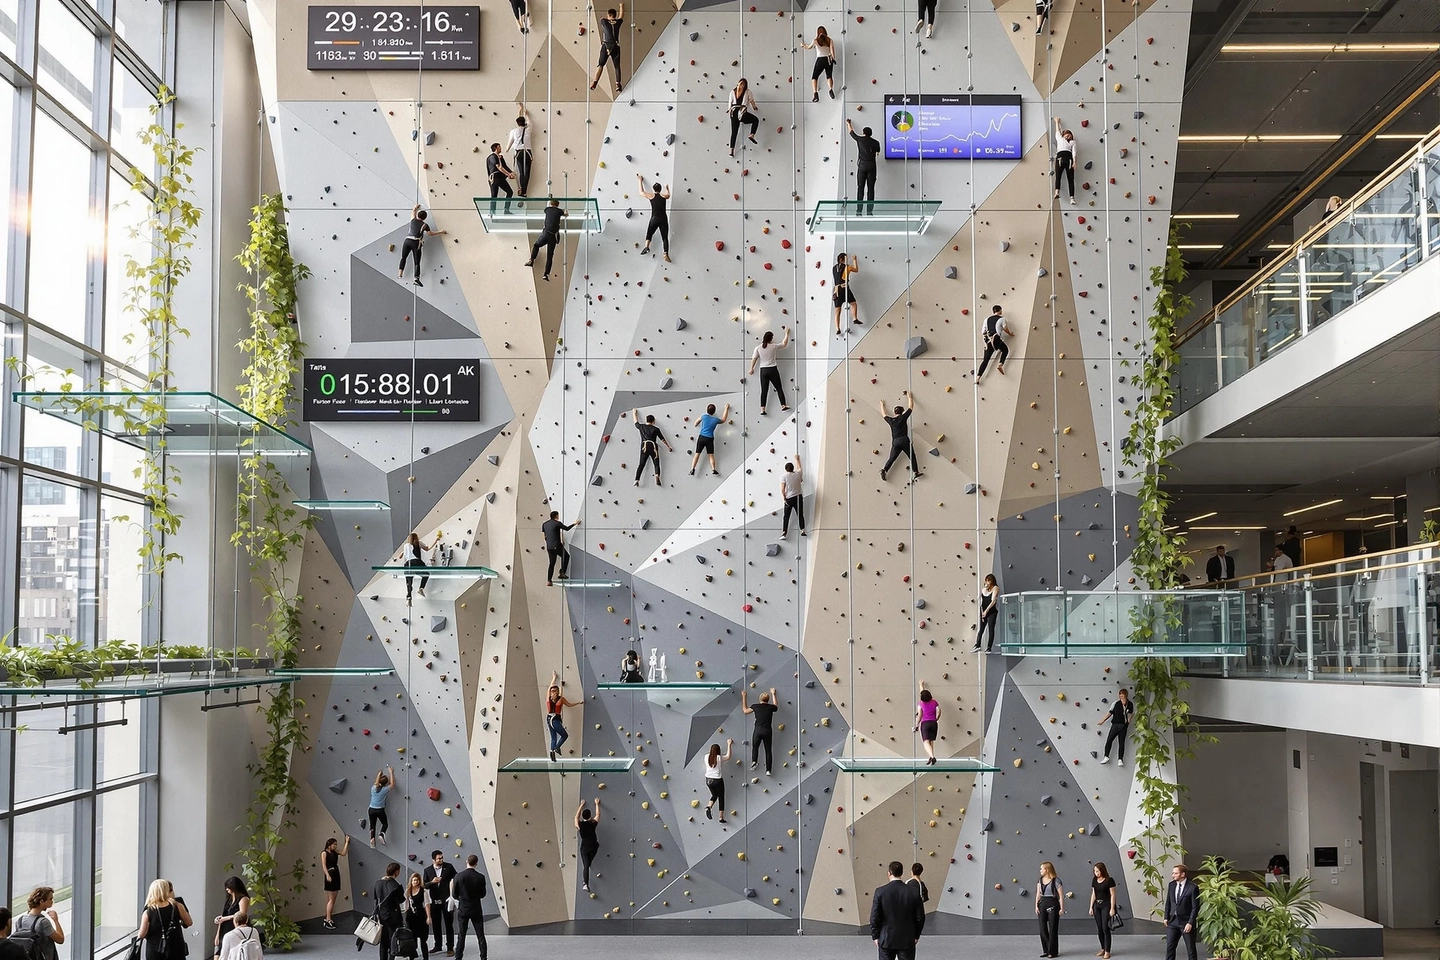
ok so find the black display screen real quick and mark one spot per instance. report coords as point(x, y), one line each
point(393, 37)
point(397, 391)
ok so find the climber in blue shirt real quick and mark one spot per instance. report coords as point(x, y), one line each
point(705, 442)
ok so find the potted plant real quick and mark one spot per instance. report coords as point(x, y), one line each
point(1272, 925)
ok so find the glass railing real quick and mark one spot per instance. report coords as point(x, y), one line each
point(1379, 234)
point(1371, 618)
point(1065, 623)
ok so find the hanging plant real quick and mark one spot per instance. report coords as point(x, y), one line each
point(1163, 730)
point(271, 529)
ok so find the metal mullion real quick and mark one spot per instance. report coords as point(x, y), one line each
point(83, 351)
point(82, 929)
point(70, 796)
point(27, 37)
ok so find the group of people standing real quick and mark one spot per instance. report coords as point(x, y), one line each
point(441, 900)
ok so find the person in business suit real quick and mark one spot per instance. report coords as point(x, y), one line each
point(897, 916)
point(437, 879)
point(388, 895)
point(1220, 567)
point(1182, 911)
point(468, 889)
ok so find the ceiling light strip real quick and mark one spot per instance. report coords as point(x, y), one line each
point(1315, 506)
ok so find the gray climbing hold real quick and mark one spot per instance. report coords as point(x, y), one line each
point(1045, 800)
point(952, 273)
point(772, 549)
point(971, 487)
point(429, 138)
point(915, 346)
point(837, 891)
point(490, 497)
point(1093, 526)
point(666, 383)
point(495, 632)
point(809, 799)
point(1004, 245)
point(920, 604)
point(645, 524)
point(1139, 114)
point(1014, 27)
point(493, 460)
point(749, 893)
point(414, 134)
point(629, 213)
point(987, 825)
point(438, 622)
point(809, 684)
point(700, 558)
point(680, 323)
point(424, 449)
point(597, 481)
point(1042, 272)
point(338, 786)
point(694, 37)
point(1085, 581)
point(827, 665)
point(934, 451)
point(1093, 829)
point(669, 139)
point(1089, 164)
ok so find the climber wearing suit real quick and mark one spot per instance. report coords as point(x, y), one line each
point(897, 916)
point(1182, 911)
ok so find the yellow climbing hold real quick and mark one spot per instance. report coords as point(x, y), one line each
point(694, 803)
point(1059, 696)
point(1018, 761)
point(740, 855)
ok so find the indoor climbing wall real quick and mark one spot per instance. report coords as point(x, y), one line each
point(1022, 474)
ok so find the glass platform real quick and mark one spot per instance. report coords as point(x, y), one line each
point(885, 218)
point(916, 765)
point(339, 506)
point(528, 215)
point(438, 573)
point(150, 685)
point(1123, 649)
point(187, 423)
point(1070, 623)
point(662, 687)
point(295, 673)
point(569, 584)
point(569, 765)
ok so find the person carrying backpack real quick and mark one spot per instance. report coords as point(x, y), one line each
point(388, 895)
point(38, 929)
point(242, 942)
point(163, 923)
point(9, 950)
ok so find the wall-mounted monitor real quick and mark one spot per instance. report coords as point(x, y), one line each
point(391, 390)
point(393, 37)
point(953, 126)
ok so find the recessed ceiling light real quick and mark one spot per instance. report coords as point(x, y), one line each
point(1330, 48)
point(1381, 496)
point(1199, 246)
point(1204, 516)
point(1401, 136)
point(1378, 516)
point(1259, 138)
point(1433, 510)
point(1315, 506)
point(1387, 523)
point(1205, 216)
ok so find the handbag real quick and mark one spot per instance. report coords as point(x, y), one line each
point(368, 930)
point(134, 952)
point(1115, 922)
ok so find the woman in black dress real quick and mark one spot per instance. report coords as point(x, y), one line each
point(330, 871)
point(1102, 907)
point(237, 901)
point(417, 914)
point(588, 827)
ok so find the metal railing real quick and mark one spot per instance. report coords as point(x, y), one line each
point(1386, 229)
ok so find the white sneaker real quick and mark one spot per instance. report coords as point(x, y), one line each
point(1120, 762)
point(1104, 759)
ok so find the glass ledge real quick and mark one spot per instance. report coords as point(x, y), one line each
point(528, 215)
point(187, 423)
point(336, 506)
point(569, 765)
point(589, 584)
point(916, 765)
point(297, 672)
point(144, 687)
point(662, 687)
point(878, 218)
point(439, 573)
point(1123, 648)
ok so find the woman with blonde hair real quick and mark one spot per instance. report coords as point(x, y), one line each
point(163, 920)
point(1049, 907)
point(417, 914)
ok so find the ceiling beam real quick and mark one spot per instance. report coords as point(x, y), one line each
point(1207, 57)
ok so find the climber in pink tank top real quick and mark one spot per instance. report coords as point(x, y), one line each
point(927, 721)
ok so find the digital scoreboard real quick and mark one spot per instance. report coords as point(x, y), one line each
point(393, 37)
point(953, 126)
point(396, 391)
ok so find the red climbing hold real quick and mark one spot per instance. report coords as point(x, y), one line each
point(768, 267)
point(752, 248)
point(1079, 219)
point(433, 793)
point(1084, 123)
point(605, 439)
point(905, 579)
point(365, 733)
point(748, 608)
point(964, 311)
point(1084, 293)
point(784, 244)
point(719, 244)
point(862, 20)
point(602, 546)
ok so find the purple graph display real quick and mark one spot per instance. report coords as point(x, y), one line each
point(947, 126)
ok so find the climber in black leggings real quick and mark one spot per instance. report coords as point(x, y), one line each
point(659, 219)
point(650, 440)
point(900, 435)
point(587, 827)
point(989, 613)
point(1064, 159)
point(927, 13)
point(765, 358)
point(995, 326)
point(764, 713)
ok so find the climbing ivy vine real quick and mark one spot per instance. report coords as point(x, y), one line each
point(1163, 730)
point(271, 530)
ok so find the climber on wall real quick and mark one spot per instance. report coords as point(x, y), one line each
point(522, 17)
point(765, 358)
point(519, 144)
point(705, 440)
point(650, 440)
point(867, 156)
point(659, 219)
point(927, 721)
point(1064, 159)
point(764, 712)
point(500, 174)
point(1042, 14)
point(715, 778)
point(743, 110)
point(587, 827)
point(989, 613)
point(415, 241)
point(842, 294)
point(379, 790)
point(412, 554)
point(555, 546)
point(610, 25)
point(792, 491)
point(996, 329)
point(824, 48)
point(554, 703)
point(927, 11)
point(549, 236)
point(900, 436)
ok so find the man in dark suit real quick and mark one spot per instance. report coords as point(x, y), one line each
point(1182, 911)
point(437, 879)
point(897, 916)
point(1220, 567)
point(468, 889)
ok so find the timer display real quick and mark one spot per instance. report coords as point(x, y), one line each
point(396, 391)
point(394, 38)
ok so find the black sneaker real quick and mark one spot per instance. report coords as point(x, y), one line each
point(328, 924)
point(419, 282)
point(882, 474)
point(709, 813)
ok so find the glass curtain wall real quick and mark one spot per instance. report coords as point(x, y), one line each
point(77, 80)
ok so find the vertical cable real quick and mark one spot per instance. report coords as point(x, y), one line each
point(795, 223)
point(1109, 301)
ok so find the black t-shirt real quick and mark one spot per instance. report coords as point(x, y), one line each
point(867, 147)
point(839, 276)
point(552, 530)
point(388, 895)
point(417, 229)
point(993, 323)
point(610, 31)
point(12, 951)
point(587, 833)
point(495, 164)
point(1120, 713)
point(763, 713)
point(899, 425)
point(1104, 889)
point(552, 221)
point(649, 434)
point(657, 207)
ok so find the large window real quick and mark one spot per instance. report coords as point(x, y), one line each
point(72, 108)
